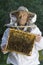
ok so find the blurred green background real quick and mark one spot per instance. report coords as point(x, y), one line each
point(6, 6)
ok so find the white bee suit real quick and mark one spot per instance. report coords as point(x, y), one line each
point(19, 59)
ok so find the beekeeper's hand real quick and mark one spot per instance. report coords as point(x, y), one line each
point(38, 38)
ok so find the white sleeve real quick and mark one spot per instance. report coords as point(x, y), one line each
point(5, 37)
point(36, 31)
point(38, 45)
